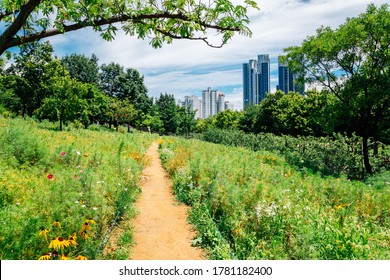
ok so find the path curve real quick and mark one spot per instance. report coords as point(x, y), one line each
point(161, 231)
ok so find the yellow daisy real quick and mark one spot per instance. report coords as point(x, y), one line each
point(64, 257)
point(45, 257)
point(54, 243)
point(72, 241)
point(56, 223)
point(44, 231)
point(81, 258)
point(84, 234)
point(85, 227)
point(90, 221)
point(63, 243)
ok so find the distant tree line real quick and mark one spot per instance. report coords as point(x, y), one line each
point(76, 88)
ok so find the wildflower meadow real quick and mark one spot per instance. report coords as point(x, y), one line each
point(61, 192)
point(254, 205)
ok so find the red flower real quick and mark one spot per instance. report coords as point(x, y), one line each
point(75, 176)
point(50, 176)
point(63, 153)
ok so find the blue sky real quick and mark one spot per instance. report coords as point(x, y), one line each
point(188, 67)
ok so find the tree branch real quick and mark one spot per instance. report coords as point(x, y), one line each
point(17, 24)
point(16, 41)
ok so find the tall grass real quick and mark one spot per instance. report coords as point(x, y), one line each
point(64, 184)
point(255, 205)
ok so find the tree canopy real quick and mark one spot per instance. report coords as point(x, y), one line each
point(161, 21)
point(352, 62)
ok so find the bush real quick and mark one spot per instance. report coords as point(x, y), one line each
point(335, 156)
point(18, 147)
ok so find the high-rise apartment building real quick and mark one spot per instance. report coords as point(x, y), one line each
point(221, 103)
point(263, 69)
point(195, 104)
point(256, 79)
point(209, 102)
point(229, 106)
point(287, 80)
point(250, 82)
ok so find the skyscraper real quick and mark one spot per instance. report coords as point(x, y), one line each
point(256, 79)
point(209, 102)
point(195, 104)
point(250, 83)
point(263, 68)
point(221, 103)
point(287, 80)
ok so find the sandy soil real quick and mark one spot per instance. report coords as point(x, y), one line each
point(161, 231)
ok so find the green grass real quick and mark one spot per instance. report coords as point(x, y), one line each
point(254, 205)
point(69, 176)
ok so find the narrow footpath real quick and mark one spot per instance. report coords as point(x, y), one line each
point(161, 231)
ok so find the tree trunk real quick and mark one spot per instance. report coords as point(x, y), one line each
point(376, 146)
point(366, 159)
point(61, 122)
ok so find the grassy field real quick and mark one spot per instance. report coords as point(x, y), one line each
point(61, 192)
point(254, 205)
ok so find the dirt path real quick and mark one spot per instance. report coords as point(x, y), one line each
point(161, 231)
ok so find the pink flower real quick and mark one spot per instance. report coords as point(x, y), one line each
point(63, 153)
point(50, 176)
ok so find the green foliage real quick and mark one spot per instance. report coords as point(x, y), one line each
point(18, 147)
point(82, 68)
point(254, 205)
point(339, 155)
point(227, 119)
point(162, 21)
point(26, 78)
point(168, 110)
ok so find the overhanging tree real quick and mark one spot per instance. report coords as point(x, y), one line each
point(161, 21)
point(352, 62)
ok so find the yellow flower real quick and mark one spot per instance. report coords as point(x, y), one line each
point(45, 257)
point(338, 207)
point(54, 243)
point(64, 257)
point(56, 223)
point(72, 241)
point(81, 258)
point(63, 243)
point(83, 234)
point(74, 235)
point(44, 232)
point(85, 227)
point(90, 221)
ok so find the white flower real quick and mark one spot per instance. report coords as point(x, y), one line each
point(83, 205)
point(259, 209)
point(94, 208)
point(271, 209)
point(78, 153)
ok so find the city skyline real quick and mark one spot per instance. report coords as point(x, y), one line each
point(184, 68)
